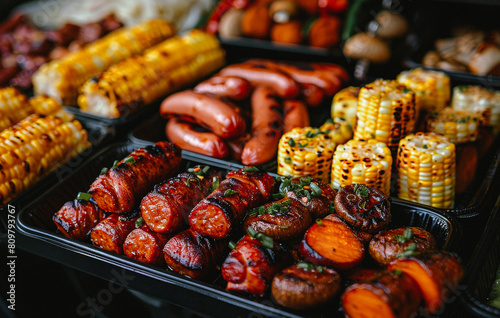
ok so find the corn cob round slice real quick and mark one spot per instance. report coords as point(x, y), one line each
point(62, 78)
point(386, 112)
point(34, 147)
point(14, 107)
point(479, 100)
point(345, 105)
point(458, 126)
point(163, 68)
point(340, 131)
point(362, 161)
point(426, 170)
point(305, 151)
point(432, 88)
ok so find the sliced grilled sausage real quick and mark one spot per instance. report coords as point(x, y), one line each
point(111, 232)
point(146, 246)
point(191, 254)
point(305, 286)
point(364, 207)
point(75, 219)
point(387, 245)
point(167, 207)
point(121, 188)
point(318, 204)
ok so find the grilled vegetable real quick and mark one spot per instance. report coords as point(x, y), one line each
point(363, 162)
point(62, 78)
point(340, 131)
point(458, 126)
point(345, 105)
point(365, 208)
point(33, 148)
point(426, 170)
point(437, 274)
point(330, 242)
point(145, 245)
point(135, 82)
point(76, 218)
point(14, 107)
point(110, 233)
point(391, 294)
point(386, 112)
point(123, 186)
point(305, 151)
point(389, 245)
point(305, 286)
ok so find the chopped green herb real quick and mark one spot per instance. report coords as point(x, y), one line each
point(332, 207)
point(83, 196)
point(267, 241)
point(319, 222)
point(351, 197)
point(425, 146)
point(115, 164)
point(139, 222)
point(288, 160)
point(284, 227)
point(251, 169)
point(129, 160)
point(305, 181)
point(230, 192)
point(362, 191)
point(316, 190)
point(215, 183)
point(205, 169)
point(304, 144)
point(363, 204)
point(103, 171)
point(305, 265)
point(251, 231)
point(408, 234)
point(399, 238)
point(291, 142)
point(319, 269)
point(277, 196)
point(397, 271)
point(231, 244)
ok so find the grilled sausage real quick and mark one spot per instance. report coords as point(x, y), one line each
point(364, 207)
point(313, 95)
point(167, 207)
point(221, 212)
point(146, 246)
point(191, 254)
point(318, 205)
point(75, 219)
point(226, 86)
point(437, 274)
point(305, 287)
point(209, 111)
point(295, 114)
point(111, 232)
point(281, 220)
point(258, 75)
point(387, 294)
point(267, 128)
point(250, 266)
point(121, 188)
point(385, 246)
point(187, 137)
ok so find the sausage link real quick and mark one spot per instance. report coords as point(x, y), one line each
point(121, 188)
point(75, 219)
point(295, 114)
point(226, 86)
point(145, 245)
point(111, 232)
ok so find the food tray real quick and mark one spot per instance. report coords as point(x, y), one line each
point(37, 234)
point(482, 269)
point(98, 135)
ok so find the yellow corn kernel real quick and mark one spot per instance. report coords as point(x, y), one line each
point(458, 126)
point(344, 106)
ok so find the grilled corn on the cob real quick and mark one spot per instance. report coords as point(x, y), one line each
point(386, 112)
point(62, 78)
point(458, 126)
point(137, 81)
point(344, 106)
point(340, 131)
point(34, 147)
point(365, 162)
point(305, 151)
point(426, 170)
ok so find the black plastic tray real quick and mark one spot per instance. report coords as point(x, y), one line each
point(482, 269)
point(99, 136)
point(37, 234)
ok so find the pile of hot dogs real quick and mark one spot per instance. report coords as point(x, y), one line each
point(241, 112)
point(295, 238)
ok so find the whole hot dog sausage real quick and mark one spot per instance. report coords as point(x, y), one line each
point(75, 219)
point(185, 136)
point(167, 207)
point(111, 232)
point(122, 187)
point(145, 245)
point(295, 114)
point(283, 84)
point(267, 127)
point(221, 117)
point(227, 86)
point(312, 94)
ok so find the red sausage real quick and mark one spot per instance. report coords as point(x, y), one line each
point(185, 136)
point(111, 232)
point(221, 117)
point(313, 95)
point(236, 145)
point(226, 86)
point(283, 84)
point(267, 127)
point(146, 246)
point(295, 114)
point(76, 218)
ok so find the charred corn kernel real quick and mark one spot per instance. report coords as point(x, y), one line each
point(14, 107)
point(305, 151)
point(426, 170)
point(61, 78)
point(340, 131)
point(34, 147)
point(344, 106)
point(386, 112)
point(458, 126)
point(479, 100)
point(45, 105)
point(163, 68)
point(362, 161)
point(432, 88)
